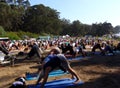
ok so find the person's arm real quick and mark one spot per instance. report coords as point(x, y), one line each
point(47, 70)
point(3, 49)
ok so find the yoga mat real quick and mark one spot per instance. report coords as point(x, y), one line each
point(77, 58)
point(109, 54)
point(61, 83)
point(34, 76)
point(106, 54)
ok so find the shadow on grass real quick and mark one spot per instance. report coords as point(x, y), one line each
point(109, 61)
point(107, 81)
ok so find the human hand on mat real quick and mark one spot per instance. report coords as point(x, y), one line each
point(77, 81)
point(38, 83)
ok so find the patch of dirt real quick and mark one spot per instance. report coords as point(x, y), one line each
point(95, 72)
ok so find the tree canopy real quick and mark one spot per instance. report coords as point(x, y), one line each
point(18, 15)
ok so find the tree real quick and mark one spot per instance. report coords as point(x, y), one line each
point(116, 29)
point(5, 18)
point(11, 17)
point(101, 29)
point(76, 28)
point(86, 29)
point(41, 19)
point(16, 18)
point(107, 28)
point(19, 3)
point(65, 24)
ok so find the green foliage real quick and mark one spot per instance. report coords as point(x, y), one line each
point(44, 34)
point(101, 29)
point(20, 35)
point(41, 20)
point(5, 12)
point(12, 35)
point(2, 31)
point(117, 29)
point(118, 39)
point(10, 16)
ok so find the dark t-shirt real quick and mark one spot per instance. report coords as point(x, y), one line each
point(54, 62)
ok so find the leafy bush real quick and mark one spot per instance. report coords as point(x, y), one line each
point(12, 35)
point(2, 31)
point(21, 34)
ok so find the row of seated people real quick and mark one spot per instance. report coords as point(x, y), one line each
point(73, 51)
point(69, 50)
point(105, 47)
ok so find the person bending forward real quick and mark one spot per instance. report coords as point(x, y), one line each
point(53, 63)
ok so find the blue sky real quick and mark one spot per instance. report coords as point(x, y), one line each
point(86, 11)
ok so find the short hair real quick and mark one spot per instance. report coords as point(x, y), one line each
point(56, 50)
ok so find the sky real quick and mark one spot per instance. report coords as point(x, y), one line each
point(86, 11)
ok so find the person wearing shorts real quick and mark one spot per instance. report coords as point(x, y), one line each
point(54, 62)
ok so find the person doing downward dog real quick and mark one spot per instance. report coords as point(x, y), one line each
point(58, 60)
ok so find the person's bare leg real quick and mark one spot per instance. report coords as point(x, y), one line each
point(45, 77)
point(41, 75)
point(73, 73)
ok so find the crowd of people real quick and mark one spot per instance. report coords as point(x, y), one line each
point(59, 50)
point(68, 46)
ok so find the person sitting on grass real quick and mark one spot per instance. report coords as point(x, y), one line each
point(97, 46)
point(107, 48)
point(34, 50)
point(79, 50)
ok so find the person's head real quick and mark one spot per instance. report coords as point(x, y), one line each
point(21, 78)
point(108, 42)
point(55, 50)
point(19, 82)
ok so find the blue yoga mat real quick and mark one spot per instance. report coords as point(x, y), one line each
point(61, 83)
point(77, 58)
point(34, 76)
point(107, 54)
